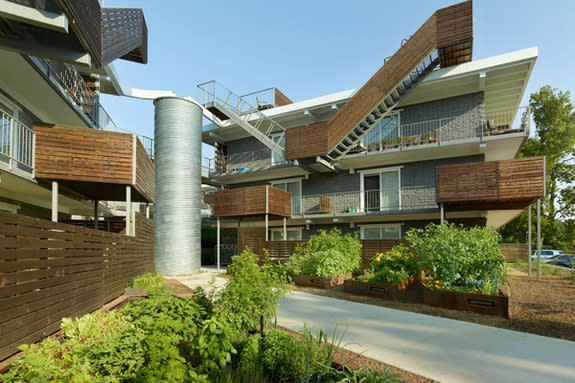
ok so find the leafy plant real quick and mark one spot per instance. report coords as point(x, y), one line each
point(250, 293)
point(387, 276)
point(327, 254)
point(399, 258)
point(149, 281)
point(457, 256)
point(284, 357)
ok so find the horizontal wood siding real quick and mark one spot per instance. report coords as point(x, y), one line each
point(254, 238)
point(518, 180)
point(78, 154)
point(124, 34)
point(454, 24)
point(50, 270)
point(306, 141)
point(281, 99)
point(145, 172)
point(252, 201)
point(514, 251)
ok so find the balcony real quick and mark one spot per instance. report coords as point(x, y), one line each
point(16, 144)
point(452, 136)
point(511, 184)
point(96, 164)
point(251, 166)
point(255, 200)
point(388, 201)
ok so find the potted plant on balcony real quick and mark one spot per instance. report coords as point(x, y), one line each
point(398, 142)
point(434, 136)
point(384, 144)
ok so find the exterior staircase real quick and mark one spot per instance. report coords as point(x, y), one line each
point(227, 105)
point(385, 108)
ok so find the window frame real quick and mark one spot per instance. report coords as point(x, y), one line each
point(288, 229)
point(378, 171)
point(380, 226)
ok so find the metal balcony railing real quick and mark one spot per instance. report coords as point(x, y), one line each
point(243, 161)
point(16, 143)
point(383, 200)
point(444, 130)
point(88, 100)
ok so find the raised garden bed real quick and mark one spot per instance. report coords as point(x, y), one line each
point(321, 282)
point(479, 303)
point(380, 290)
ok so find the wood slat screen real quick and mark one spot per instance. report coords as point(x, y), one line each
point(124, 34)
point(78, 154)
point(281, 99)
point(252, 201)
point(50, 270)
point(514, 251)
point(86, 21)
point(145, 172)
point(445, 29)
point(518, 180)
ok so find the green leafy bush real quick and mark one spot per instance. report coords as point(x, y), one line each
point(283, 357)
point(387, 276)
point(250, 293)
point(457, 256)
point(399, 258)
point(327, 254)
point(149, 281)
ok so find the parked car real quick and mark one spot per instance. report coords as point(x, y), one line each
point(564, 260)
point(547, 254)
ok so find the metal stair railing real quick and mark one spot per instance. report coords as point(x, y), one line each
point(240, 111)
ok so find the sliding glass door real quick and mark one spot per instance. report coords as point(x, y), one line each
point(381, 191)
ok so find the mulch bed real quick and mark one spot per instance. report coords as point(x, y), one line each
point(544, 308)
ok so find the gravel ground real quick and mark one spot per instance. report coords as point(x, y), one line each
point(544, 308)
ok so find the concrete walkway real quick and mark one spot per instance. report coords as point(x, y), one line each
point(442, 349)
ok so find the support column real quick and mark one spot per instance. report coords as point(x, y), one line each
point(147, 210)
point(54, 201)
point(285, 229)
point(267, 228)
point(441, 214)
point(177, 209)
point(218, 244)
point(96, 202)
point(529, 240)
point(539, 239)
point(128, 210)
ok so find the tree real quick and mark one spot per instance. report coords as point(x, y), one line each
point(554, 119)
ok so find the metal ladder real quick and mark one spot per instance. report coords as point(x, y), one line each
point(385, 107)
point(225, 104)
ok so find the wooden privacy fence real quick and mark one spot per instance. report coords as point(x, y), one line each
point(50, 270)
point(281, 251)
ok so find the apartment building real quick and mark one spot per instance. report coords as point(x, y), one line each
point(432, 136)
point(61, 154)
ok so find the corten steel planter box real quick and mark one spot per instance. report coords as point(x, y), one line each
point(380, 290)
point(321, 282)
point(479, 303)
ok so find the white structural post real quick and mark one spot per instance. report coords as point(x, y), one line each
point(529, 240)
point(539, 239)
point(441, 214)
point(267, 211)
point(54, 201)
point(128, 210)
point(218, 245)
point(285, 229)
point(147, 210)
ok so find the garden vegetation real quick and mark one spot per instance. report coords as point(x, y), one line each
point(211, 337)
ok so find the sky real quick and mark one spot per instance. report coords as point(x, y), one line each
point(312, 48)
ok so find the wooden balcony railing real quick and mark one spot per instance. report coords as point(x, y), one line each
point(495, 184)
point(96, 164)
point(254, 200)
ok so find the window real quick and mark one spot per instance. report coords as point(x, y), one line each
point(294, 187)
point(380, 190)
point(293, 234)
point(279, 138)
point(384, 135)
point(388, 231)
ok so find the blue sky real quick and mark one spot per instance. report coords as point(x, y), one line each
point(312, 48)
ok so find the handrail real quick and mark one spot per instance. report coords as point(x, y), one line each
point(448, 129)
point(242, 161)
point(16, 143)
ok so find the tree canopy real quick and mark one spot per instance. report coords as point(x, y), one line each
point(554, 118)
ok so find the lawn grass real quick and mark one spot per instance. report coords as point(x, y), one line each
point(545, 269)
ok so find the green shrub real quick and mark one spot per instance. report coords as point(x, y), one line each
point(152, 282)
point(456, 256)
point(327, 254)
point(399, 258)
point(387, 276)
point(283, 357)
point(250, 293)
point(251, 359)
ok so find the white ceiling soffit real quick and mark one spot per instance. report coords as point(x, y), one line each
point(502, 78)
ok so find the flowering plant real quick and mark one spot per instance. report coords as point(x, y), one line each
point(399, 258)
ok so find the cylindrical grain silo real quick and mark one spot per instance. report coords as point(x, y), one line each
point(177, 157)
